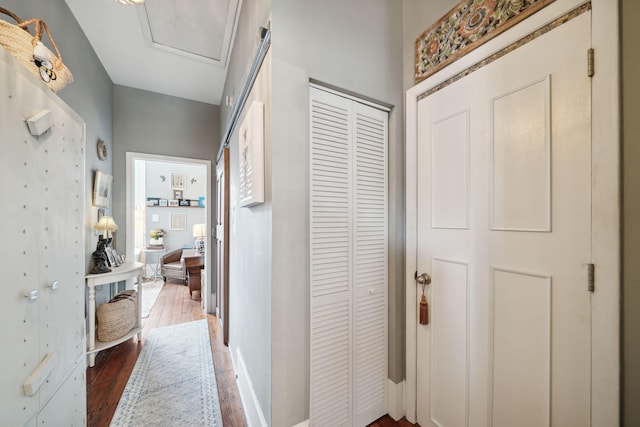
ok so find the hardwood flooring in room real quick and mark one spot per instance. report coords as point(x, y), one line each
point(107, 379)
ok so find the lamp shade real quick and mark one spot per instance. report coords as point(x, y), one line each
point(199, 230)
point(106, 224)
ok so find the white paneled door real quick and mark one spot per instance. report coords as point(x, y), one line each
point(504, 230)
point(348, 262)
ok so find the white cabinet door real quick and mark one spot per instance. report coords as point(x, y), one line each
point(43, 249)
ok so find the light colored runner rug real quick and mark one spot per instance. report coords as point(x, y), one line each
point(173, 382)
point(150, 291)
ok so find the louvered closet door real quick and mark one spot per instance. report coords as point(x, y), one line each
point(370, 263)
point(348, 261)
point(331, 236)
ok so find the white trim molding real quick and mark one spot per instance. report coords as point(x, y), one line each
point(395, 399)
point(252, 410)
point(305, 423)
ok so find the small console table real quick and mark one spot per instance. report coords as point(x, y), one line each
point(126, 271)
point(158, 251)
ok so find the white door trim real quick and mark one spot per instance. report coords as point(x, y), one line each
point(131, 157)
point(606, 199)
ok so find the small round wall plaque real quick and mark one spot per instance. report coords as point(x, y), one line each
point(102, 150)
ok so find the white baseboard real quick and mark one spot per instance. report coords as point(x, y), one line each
point(252, 410)
point(395, 404)
point(305, 423)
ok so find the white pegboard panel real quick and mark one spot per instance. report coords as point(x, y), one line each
point(43, 179)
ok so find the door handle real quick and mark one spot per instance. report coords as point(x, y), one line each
point(423, 279)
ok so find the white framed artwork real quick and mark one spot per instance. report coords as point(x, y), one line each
point(177, 181)
point(178, 221)
point(251, 156)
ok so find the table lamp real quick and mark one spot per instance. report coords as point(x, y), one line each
point(106, 224)
point(199, 232)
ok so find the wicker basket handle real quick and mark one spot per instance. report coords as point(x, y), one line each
point(14, 16)
point(40, 27)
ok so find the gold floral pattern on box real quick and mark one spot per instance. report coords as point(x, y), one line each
point(466, 27)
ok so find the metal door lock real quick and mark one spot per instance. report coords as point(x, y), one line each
point(423, 279)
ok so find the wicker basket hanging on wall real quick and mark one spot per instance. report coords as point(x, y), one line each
point(29, 50)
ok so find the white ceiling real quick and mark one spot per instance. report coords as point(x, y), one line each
point(174, 47)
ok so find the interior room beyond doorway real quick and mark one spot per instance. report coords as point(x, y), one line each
point(168, 212)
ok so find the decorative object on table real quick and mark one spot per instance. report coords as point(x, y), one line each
point(156, 237)
point(183, 202)
point(103, 150)
point(177, 181)
point(199, 232)
point(112, 255)
point(201, 201)
point(194, 203)
point(174, 203)
point(251, 156)
point(470, 24)
point(178, 221)
point(117, 317)
point(102, 187)
point(163, 202)
point(30, 52)
point(99, 257)
point(107, 225)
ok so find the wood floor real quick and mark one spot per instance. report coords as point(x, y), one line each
point(107, 379)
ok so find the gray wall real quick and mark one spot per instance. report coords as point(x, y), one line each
point(250, 254)
point(253, 15)
point(630, 12)
point(355, 45)
point(90, 95)
point(150, 123)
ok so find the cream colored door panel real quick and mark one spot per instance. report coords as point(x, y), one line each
point(43, 253)
point(67, 407)
point(504, 223)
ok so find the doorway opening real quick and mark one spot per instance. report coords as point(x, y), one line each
point(167, 201)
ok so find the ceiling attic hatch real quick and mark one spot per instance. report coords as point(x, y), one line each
point(198, 29)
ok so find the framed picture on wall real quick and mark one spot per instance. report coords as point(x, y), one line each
point(177, 181)
point(102, 187)
point(178, 221)
point(173, 203)
point(177, 194)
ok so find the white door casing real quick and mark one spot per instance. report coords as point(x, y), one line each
point(482, 341)
point(222, 244)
